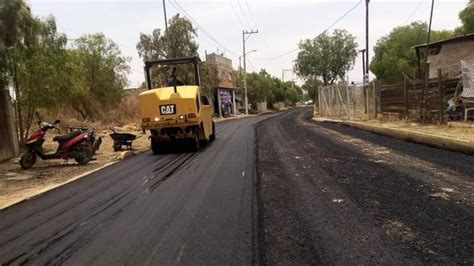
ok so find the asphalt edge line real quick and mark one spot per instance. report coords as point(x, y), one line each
point(440, 142)
point(55, 186)
point(258, 256)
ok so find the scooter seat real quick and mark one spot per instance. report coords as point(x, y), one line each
point(67, 137)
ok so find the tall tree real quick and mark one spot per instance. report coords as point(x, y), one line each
point(467, 18)
point(38, 76)
point(177, 41)
point(30, 60)
point(311, 86)
point(394, 53)
point(209, 78)
point(326, 57)
point(15, 27)
point(98, 74)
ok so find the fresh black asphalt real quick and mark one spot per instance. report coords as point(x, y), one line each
point(189, 208)
point(274, 189)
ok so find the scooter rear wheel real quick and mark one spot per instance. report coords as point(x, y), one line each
point(83, 154)
point(28, 160)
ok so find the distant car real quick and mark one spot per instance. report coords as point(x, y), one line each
point(310, 102)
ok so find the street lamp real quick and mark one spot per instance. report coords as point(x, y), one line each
point(240, 58)
point(249, 33)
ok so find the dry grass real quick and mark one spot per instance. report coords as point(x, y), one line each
point(16, 184)
point(457, 130)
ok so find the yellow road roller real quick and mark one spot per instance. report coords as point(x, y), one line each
point(176, 113)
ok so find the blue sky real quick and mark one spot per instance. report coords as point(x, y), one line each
point(281, 24)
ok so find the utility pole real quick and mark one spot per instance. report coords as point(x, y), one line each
point(367, 39)
point(366, 76)
point(245, 32)
point(164, 11)
point(240, 66)
point(427, 71)
point(363, 63)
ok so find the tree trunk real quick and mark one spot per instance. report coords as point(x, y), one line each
point(80, 111)
point(18, 105)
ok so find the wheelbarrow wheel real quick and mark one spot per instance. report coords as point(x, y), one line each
point(117, 145)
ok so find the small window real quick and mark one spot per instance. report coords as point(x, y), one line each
point(205, 100)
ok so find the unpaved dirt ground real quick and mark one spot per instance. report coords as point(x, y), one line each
point(17, 184)
point(331, 194)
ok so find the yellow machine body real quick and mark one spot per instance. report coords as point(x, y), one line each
point(174, 115)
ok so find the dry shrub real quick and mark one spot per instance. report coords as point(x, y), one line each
point(124, 113)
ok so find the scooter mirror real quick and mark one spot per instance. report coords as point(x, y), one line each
point(56, 122)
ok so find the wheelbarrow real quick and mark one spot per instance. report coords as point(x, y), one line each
point(122, 139)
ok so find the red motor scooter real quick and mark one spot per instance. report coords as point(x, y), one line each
point(74, 145)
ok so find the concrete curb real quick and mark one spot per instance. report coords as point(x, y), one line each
point(52, 187)
point(417, 137)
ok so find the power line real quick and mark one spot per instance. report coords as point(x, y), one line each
point(180, 8)
point(236, 14)
point(251, 14)
point(243, 14)
point(296, 49)
point(260, 36)
point(413, 12)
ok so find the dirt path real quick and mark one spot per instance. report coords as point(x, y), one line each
point(329, 194)
point(17, 184)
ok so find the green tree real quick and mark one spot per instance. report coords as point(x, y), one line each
point(97, 74)
point(30, 60)
point(177, 41)
point(311, 86)
point(262, 87)
point(38, 77)
point(15, 29)
point(328, 56)
point(209, 78)
point(394, 53)
point(467, 18)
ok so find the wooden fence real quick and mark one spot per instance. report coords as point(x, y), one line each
point(406, 99)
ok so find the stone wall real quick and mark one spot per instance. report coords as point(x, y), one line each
point(449, 59)
point(262, 107)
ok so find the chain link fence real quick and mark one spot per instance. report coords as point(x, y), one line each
point(467, 79)
point(349, 102)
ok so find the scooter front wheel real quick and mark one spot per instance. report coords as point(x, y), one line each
point(28, 160)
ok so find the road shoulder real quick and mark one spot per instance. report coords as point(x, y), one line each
point(437, 141)
point(19, 185)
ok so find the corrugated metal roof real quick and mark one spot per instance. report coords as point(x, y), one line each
point(450, 40)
